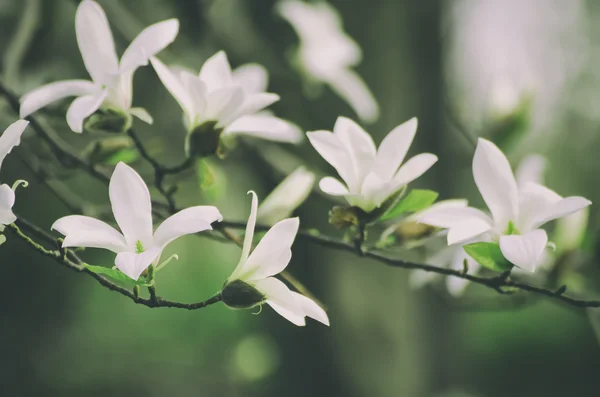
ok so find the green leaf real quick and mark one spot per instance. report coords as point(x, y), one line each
point(127, 156)
point(488, 255)
point(116, 275)
point(415, 200)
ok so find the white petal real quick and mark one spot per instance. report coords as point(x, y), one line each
point(273, 252)
point(393, 149)
point(531, 169)
point(525, 251)
point(282, 300)
point(7, 200)
point(142, 114)
point(133, 265)
point(447, 217)
point(456, 286)
point(252, 77)
point(467, 229)
point(196, 90)
point(287, 196)
point(350, 86)
point(46, 94)
point(175, 86)
point(131, 205)
point(216, 72)
point(224, 105)
point(335, 153)
point(95, 42)
point(358, 143)
point(496, 182)
point(188, 221)
point(248, 238)
point(82, 108)
point(266, 127)
point(257, 102)
point(374, 191)
point(148, 43)
point(440, 205)
point(333, 186)
point(83, 231)
point(11, 137)
point(413, 168)
point(564, 207)
point(311, 309)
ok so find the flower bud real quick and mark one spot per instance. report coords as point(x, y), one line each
point(204, 140)
point(342, 217)
point(241, 295)
point(108, 121)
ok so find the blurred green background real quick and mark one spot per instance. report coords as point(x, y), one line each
point(442, 61)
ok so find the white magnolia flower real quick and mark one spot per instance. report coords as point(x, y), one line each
point(286, 197)
point(256, 270)
point(370, 175)
point(111, 85)
point(234, 100)
point(327, 53)
point(10, 138)
point(137, 246)
point(517, 212)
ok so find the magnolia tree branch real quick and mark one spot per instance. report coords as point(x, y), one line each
point(65, 154)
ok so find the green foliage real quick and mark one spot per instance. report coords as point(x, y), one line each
point(488, 255)
point(117, 275)
point(415, 200)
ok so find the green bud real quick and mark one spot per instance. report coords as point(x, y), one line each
point(111, 150)
point(108, 121)
point(240, 295)
point(343, 217)
point(204, 140)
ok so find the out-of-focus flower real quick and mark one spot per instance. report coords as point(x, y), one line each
point(220, 103)
point(286, 197)
point(111, 85)
point(517, 212)
point(137, 247)
point(252, 282)
point(327, 54)
point(10, 138)
point(371, 176)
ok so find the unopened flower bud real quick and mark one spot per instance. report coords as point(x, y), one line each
point(240, 295)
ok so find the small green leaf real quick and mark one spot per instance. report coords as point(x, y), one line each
point(415, 200)
point(488, 255)
point(116, 275)
point(127, 156)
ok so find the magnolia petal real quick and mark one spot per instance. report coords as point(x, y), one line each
point(562, 208)
point(393, 149)
point(142, 114)
point(373, 191)
point(175, 86)
point(148, 43)
point(333, 186)
point(440, 205)
point(336, 154)
point(82, 108)
point(188, 221)
point(531, 169)
point(84, 231)
point(311, 309)
point(495, 182)
point(133, 265)
point(467, 229)
point(447, 217)
point(525, 251)
point(131, 205)
point(11, 137)
point(282, 300)
point(358, 143)
point(352, 88)
point(248, 237)
point(258, 102)
point(287, 196)
point(224, 105)
point(252, 77)
point(95, 42)
point(7, 200)
point(412, 169)
point(46, 94)
point(273, 252)
point(265, 126)
point(216, 72)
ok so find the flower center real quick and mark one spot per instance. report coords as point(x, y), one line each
point(139, 247)
point(511, 229)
